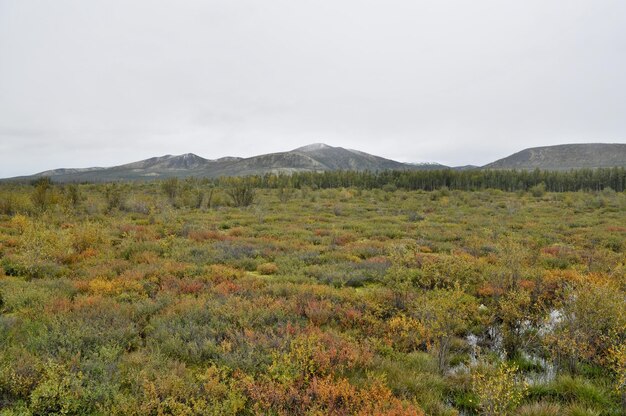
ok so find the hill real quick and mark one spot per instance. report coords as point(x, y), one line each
point(565, 157)
point(316, 157)
point(319, 157)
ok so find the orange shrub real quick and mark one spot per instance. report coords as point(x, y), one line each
point(327, 396)
point(136, 232)
point(89, 252)
point(527, 284)
point(204, 235)
point(488, 290)
point(339, 397)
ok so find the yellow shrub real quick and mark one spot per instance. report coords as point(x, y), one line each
point(21, 223)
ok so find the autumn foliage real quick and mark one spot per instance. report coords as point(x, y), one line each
point(271, 296)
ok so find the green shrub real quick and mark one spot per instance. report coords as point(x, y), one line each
point(242, 193)
point(538, 190)
point(60, 393)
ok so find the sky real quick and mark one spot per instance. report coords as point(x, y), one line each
point(106, 82)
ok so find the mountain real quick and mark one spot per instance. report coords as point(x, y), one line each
point(338, 158)
point(565, 157)
point(313, 158)
point(466, 167)
point(429, 166)
point(319, 157)
point(67, 171)
point(316, 157)
point(188, 161)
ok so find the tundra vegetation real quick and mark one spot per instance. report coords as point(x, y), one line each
point(293, 296)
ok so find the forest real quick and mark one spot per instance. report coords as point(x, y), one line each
point(338, 293)
point(434, 179)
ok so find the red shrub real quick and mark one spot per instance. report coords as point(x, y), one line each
point(191, 287)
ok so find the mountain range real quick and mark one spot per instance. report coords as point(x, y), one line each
point(320, 157)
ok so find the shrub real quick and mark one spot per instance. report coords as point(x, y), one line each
point(60, 393)
point(114, 197)
point(20, 372)
point(73, 195)
point(267, 268)
point(498, 389)
point(171, 188)
point(538, 190)
point(43, 196)
point(241, 193)
point(328, 396)
point(12, 203)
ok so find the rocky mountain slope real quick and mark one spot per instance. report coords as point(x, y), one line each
point(565, 157)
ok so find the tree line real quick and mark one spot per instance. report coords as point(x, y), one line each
point(428, 180)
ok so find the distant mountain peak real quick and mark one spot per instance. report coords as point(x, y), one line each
point(186, 161)
point(189, 156)
point(313, 147)
point(184, 156)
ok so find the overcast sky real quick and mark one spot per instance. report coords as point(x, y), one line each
point(99, 83)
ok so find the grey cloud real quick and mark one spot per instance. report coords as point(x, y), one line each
point(459, 82)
